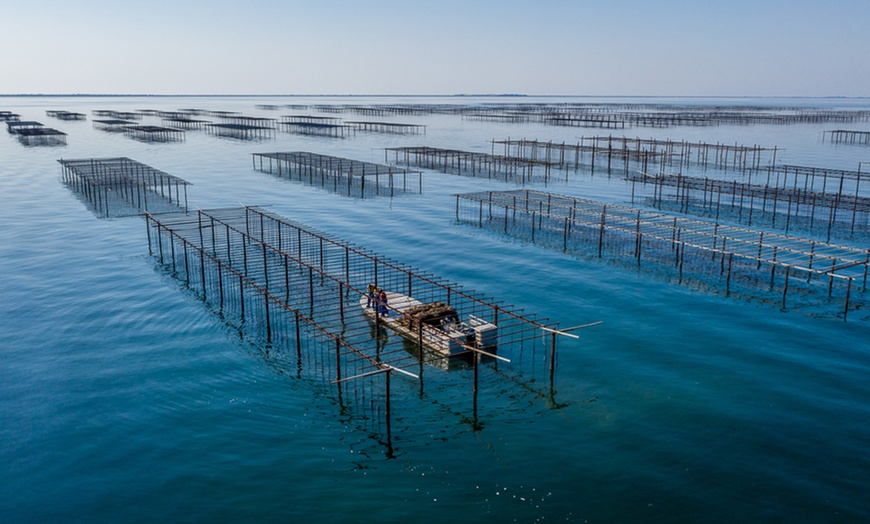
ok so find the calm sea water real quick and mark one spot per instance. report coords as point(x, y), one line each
point(125, 399)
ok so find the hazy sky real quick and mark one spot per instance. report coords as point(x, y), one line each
point(572, 47)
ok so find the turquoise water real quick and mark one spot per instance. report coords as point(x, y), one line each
point(125, 399)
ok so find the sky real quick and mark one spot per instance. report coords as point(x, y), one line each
point(439, 47)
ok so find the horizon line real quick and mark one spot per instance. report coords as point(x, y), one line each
point(457, 95)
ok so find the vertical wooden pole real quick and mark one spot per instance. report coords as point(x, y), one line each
point(785, 285)
point(298, 339)
point(474, 388)
point(387, 408)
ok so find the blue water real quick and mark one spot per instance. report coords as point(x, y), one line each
point(125, 399)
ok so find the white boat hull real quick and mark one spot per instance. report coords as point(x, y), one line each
point(449, 340)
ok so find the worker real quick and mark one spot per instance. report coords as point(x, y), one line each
point(371, 295)
point(382, 304)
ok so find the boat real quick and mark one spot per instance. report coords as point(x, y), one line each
point(436, 324)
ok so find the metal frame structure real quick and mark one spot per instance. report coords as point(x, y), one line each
point(847, 136)
point(783, 204)
point(386, 127)
point(708, 248)
point(341, 175)
point(478, 165)
point(296, 292)
point(639, 153)
point(41, 136)
point(122, 187)
point(154, 133)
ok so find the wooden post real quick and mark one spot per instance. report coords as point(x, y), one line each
point(298, 339)
point(474, 388)
point(552, 356)
point(728, 277)
point(785, 285)
point(682, 249)
point(241, 295)
point(338, 361)
point(638, 238)
point(601, 230)
point(341, 302)
point(387, 408)
point(848, 292)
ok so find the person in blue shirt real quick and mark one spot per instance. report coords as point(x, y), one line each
point(371, 295)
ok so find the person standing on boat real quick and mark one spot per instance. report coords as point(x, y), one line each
point(371, 295)
point(382, 304)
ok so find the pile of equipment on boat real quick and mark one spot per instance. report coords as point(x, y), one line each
point(437, 325)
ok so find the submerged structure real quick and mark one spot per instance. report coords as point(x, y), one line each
point(340, 175)
point(315, 125)
point(473, 164)
point(66, 115)
point(154, 133)
point(235, 125)
point(42, 136)
point(302, 295)
point(31, 133)
point(757, 261)
point(113, 125)
point(115, 187)
point(386, 127)
point(9, 116)
point(848, 136)
point(17, 126)
point(616, 115)
point(832, 202)
point(623, 153)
